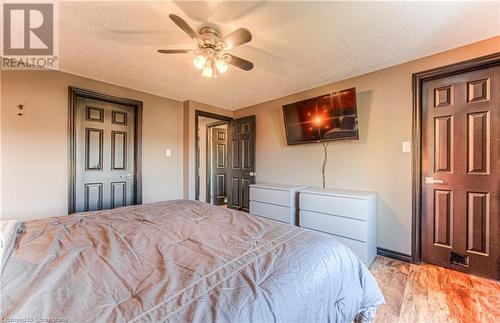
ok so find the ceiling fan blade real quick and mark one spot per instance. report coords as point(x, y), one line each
point(238, 62)
point(175, 51)
point(238, 37)
point(183, 25)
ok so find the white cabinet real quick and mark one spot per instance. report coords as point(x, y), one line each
point(274, 201)
point(347, 214)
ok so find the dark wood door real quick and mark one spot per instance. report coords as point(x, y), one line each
point(460, 172)
point(105, 163)
point(218, 165)
point(241, 162)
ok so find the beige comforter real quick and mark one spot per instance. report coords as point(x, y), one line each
point(181, 261)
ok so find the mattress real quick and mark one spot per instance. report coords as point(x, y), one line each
point(181, 261)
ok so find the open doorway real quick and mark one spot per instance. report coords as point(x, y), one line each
point(225, 159)
point(211, 158)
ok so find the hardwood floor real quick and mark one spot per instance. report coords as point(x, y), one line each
point(428, 293)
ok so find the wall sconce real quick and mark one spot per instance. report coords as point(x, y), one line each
point(20, 110)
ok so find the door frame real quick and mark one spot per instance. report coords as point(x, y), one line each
point(209, 153)
point(417, 81)
point(197, 114)
point(73, 94)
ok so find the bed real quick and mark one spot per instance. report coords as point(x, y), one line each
point(181, 261)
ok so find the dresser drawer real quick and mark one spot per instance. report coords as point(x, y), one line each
point(276, 197)
point(347, 207)
point(360, 249)
point(340, 226)
point(273, 212)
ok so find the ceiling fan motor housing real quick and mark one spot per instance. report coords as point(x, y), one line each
point(210, 30)
point(210, 38)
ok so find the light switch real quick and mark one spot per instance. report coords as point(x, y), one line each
point(406, 146)
point(168, 152)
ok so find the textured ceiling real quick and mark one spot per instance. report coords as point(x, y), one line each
point(295, 46)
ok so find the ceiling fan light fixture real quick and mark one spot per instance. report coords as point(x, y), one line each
point(211, 56)
point(221, 66)
point(208, 70)
point(199, 61)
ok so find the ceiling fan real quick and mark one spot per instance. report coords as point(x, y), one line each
point(212, 57)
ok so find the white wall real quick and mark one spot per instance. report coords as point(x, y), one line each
point(34, 166)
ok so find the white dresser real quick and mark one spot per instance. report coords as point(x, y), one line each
point(275, 201)
point(348, 215)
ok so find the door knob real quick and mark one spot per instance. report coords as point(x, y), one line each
point(126, 176)
point(431, 180)
point(253, 174)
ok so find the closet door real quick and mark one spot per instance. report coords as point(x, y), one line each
point(105, 163)
point(461, 172)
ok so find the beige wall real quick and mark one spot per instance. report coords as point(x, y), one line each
point(189, 141)
point(376, 161)
point(34, 147)
point(1, 169)
point(202, 169)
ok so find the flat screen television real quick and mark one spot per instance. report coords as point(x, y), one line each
point(328, 117)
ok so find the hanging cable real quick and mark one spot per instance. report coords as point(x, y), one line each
point(323, 169)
